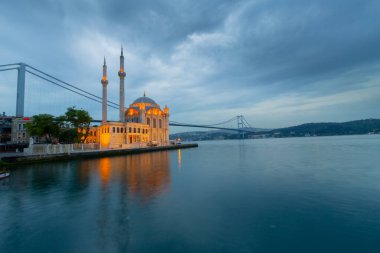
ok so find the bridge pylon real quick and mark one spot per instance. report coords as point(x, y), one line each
point(20, 91)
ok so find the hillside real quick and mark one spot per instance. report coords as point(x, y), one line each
point(366, 126)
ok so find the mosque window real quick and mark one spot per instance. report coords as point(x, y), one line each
point(154, 123)
point(130, 130)
point(138, 130)
point(117, 130)
point(160, 123)
point(134, 130)
point(113, 129)
point(121, 129)
point(148, 121)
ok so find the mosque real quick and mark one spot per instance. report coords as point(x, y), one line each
point(143, 123)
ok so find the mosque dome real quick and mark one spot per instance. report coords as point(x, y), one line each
point(145, 100)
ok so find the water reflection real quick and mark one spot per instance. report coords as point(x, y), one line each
point(179, 157)
point(148, 174)
point(105, 170)
point(118, 182)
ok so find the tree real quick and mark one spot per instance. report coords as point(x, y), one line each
point(44, 125)
point(75, 119)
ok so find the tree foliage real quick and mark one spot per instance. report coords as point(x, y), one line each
point(77, 119)
point(71, 127)
point(44, 125)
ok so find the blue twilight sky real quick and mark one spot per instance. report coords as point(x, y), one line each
point(279, 63)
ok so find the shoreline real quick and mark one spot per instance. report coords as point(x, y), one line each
point(28, 159)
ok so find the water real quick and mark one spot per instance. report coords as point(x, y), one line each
point(272, 195)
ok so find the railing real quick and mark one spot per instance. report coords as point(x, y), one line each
point(50, 149)
point(47, 149)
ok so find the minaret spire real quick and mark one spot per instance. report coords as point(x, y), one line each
point(121, 93)
point(104, 98)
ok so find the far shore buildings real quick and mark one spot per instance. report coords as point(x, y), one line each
point(143, 123)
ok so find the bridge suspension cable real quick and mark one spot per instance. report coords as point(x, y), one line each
point(8, 69)
point(68, 88)
point(110, 103)
point(209, 125)
point(58, 82)
point(10, 64)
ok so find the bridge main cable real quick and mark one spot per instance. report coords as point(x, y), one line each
point(10, 64)
point(69, 89)
point(70, 85)
point(8, 69)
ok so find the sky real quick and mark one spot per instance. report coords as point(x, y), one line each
point(279, 63)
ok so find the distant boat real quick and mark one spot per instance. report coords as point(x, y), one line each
point(4, 174)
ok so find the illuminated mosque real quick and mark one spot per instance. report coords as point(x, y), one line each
point(143, 123)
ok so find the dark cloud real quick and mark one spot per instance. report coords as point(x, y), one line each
point(209, 59)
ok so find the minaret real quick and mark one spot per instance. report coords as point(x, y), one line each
point(104, 83)
point(122, 95)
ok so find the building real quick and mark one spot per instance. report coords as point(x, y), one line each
point(13, 133)
point(19, 131)
point(143, 123)
point(5, 129)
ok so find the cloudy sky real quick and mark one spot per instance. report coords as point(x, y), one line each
point(277, 62)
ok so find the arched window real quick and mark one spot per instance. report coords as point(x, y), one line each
point(154, 123)
point(148, 121)
point(160, 123)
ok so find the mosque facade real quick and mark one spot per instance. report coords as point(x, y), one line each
point(143, 123)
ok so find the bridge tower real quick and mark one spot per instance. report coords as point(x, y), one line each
point(20, 91)
point(104, 98)
point(121, 94)
point(241, 125)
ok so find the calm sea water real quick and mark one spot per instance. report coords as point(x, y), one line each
point(273, 195)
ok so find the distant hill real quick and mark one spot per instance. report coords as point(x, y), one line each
point(365, 126)
point(323, 129)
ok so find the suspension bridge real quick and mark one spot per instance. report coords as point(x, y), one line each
point(241, 124)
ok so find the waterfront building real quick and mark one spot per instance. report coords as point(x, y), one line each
point(5, 129)
point(143, 123)
point(13, 130)
point(19, 131)
point(13, 133)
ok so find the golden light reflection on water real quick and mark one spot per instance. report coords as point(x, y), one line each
point(105, 170)
point(143, 175)
point(179, 159)
point(148, 174)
